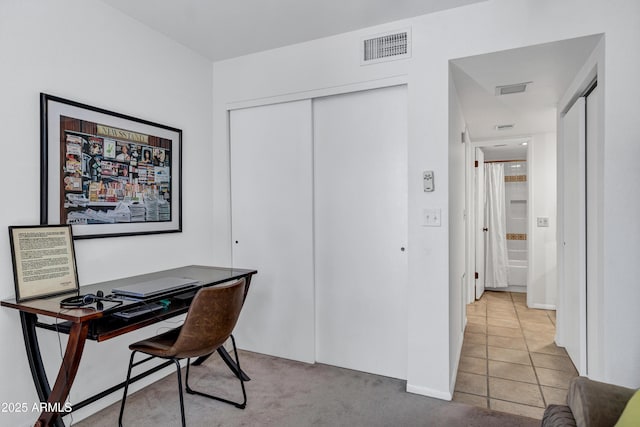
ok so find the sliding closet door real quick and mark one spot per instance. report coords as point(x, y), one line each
point(572, 313)
point(272, 227)
point(360, 146)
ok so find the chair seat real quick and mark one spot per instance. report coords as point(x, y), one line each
point(161, 345)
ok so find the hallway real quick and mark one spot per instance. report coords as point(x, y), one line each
point(509, 360)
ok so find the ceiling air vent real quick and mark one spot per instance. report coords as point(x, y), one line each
point(511, 89)
point(504, 127)
point(386, 47)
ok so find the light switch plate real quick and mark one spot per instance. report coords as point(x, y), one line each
point(431, 217)
point(543, 221)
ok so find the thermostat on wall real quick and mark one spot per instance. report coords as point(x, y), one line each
point(427, 178)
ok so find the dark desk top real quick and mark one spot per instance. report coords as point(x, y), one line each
point(51, 306)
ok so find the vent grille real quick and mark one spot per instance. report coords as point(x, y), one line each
point(386, 47)
point(511, 89)
point(504, 127)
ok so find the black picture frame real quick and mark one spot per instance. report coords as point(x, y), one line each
point(44, 261)
point(93, 175)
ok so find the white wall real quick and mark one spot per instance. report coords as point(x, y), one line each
point(86, 51)
point(541, 162)
point(331, 64)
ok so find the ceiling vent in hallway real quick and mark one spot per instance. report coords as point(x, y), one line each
point(504, 127)
point(511, 89)
point(386, 47)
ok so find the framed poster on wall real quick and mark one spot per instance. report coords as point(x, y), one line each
point(108, 174)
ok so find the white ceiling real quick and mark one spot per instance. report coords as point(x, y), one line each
point(551, 67)
point(225, 29)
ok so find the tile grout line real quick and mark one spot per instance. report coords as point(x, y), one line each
point(514, 305)
point(526, 344)
point(487, 397)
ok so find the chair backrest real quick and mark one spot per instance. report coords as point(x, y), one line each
point(211, 318)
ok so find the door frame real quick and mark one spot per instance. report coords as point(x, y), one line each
point(480, 246)
point(593, 68)
point(471, 216)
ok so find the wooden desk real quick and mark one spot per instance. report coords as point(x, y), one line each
point(96, 322)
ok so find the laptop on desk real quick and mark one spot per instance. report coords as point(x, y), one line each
point(155, 287)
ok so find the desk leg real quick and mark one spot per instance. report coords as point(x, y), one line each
point(66, 374)
point(32, 346)
point(247, 284)
point(34, 356)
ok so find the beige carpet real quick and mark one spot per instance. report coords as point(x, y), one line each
point(286, 393)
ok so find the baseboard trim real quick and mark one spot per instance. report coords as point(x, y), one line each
point(544, 306)
point(429, 392)
point(519, 289)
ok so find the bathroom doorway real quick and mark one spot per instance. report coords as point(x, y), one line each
point(502, 211)
point(508, 96)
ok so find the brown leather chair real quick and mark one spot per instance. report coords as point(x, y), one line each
point(210, 320)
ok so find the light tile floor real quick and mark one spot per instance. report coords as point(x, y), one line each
point(509, 360)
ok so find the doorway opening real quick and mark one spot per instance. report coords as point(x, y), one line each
point(542, 76)
point(501, 210)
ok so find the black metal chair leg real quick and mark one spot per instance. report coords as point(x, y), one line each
point(178, 369)
point(200, 360)
point(244, 394)
point(240, 376)
point(126, 387)
point(222, 352)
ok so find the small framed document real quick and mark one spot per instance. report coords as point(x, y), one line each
point(44, 261)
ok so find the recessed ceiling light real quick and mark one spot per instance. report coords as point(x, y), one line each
point(525, 143)
point(511, 89)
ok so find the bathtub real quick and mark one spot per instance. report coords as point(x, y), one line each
point(517, 272)
point(516, 254)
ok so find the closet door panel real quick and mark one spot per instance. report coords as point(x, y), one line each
point(573, 309)
point(272, 227)
point(360, 158)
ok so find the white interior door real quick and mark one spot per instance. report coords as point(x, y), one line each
point(360, 146)
point(573, 286)
point(480, 222)
point(272, 227)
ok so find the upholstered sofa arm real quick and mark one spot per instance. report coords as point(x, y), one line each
point(558, 416)
point(596, 404)
point(589, 404)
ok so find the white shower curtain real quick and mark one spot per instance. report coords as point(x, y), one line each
point(496, 220)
